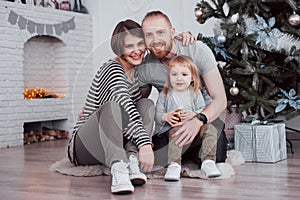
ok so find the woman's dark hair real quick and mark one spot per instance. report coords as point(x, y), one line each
point(122, 29)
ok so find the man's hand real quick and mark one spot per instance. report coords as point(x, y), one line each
point(188, 131)
point(186, 37)
point(146, 158)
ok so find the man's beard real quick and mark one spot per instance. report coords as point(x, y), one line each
point(160, 54)
point(164, 52)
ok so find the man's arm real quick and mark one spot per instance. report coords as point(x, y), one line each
point(215, 87)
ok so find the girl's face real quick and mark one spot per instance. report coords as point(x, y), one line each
point(180, 78)
point(134, 49)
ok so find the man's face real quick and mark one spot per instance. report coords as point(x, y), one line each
point(158, 35)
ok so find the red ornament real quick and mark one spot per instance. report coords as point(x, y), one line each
point(65, 5)
point(198, 12)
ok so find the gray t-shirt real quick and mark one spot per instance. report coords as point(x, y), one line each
point(152, 72)
point(194, 102)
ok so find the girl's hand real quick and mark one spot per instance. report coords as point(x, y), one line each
point(171, 118)
point(187, 115)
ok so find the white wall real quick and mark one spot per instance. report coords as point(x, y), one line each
point(106, 14)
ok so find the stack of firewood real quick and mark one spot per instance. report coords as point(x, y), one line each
point(45, 134)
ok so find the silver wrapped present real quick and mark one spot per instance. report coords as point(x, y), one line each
point(261, 143)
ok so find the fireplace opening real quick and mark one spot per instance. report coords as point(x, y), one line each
point(45, 131)
point(45, 68)
point(39, 94)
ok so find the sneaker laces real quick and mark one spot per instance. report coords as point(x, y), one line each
point(210, 164)
point(133, 164)
point(121, 173)
point(173, 166)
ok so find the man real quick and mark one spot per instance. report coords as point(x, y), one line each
point(159, 38)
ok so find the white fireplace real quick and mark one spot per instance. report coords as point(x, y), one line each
point(41, 48)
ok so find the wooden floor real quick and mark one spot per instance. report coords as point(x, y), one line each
point(24, 175)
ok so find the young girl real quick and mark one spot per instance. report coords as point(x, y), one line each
point(181, 100)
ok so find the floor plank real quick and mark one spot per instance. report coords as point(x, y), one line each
point(24, 175)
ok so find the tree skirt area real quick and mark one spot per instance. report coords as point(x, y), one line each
point(234, 158)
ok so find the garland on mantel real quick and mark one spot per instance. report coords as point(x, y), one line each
point(39, 28)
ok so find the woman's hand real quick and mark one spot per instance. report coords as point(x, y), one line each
point(186, 38)
point(146, 158)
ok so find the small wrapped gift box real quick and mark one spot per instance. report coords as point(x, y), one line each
point(261, 143)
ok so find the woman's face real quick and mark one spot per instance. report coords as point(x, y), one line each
point(134, 49)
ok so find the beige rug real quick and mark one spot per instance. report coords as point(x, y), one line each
point(234, 158)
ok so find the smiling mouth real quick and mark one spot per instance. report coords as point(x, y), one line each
point(158, 47)
point(136, 57)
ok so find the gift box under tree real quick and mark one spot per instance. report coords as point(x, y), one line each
point(261, 143)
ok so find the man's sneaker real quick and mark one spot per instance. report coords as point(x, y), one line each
point(210, 169)
point(120, 179)
point(173, 172)
point(136, 177)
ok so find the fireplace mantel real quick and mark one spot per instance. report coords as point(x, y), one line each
point(77, 41)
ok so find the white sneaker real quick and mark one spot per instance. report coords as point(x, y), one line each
point(210, 169)
point(137, 178)
point(173, 172)
point(120, 179)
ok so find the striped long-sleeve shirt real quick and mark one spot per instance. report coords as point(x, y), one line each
point(110, 83)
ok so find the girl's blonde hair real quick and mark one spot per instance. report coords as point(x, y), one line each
point(188, 63)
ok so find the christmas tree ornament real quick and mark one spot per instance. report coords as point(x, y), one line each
point(198, 12)
point(234, 18)
point(234, 90)
point(178, 114)
point(225, 9)
point(294, 19)
point(221, 38)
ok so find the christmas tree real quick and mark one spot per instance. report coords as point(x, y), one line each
point(257, 43)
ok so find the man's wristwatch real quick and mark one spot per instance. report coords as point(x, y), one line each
point(202, 117)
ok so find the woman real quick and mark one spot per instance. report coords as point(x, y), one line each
point(115, 126)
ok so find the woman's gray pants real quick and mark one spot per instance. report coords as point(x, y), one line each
point(101, 138)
